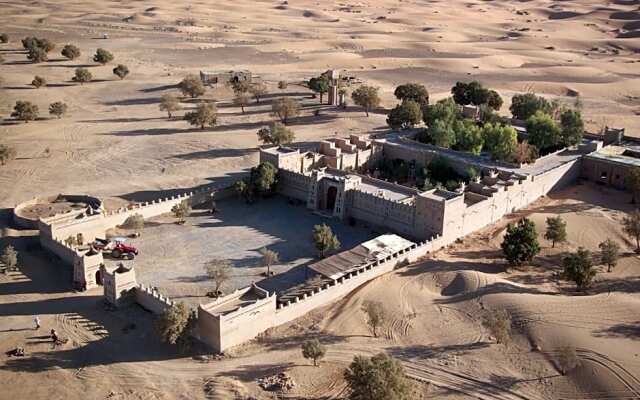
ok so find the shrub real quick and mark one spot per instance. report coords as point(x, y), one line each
point(102, 56)
point(37, 55)
point(380, 377)
point(524, 106)
point(25, 111)
point(501, 141)
point(520, 243)
point(38, 82)
point(414, 92)
point(567, 359)
point(324, 240)
point(276, 134)
point(319, 85)
point(205, 114)
point(556, 230)
point(181, 210)
point(313, 350)
point(219, 271)
point(258, 90)
point(543, 131)
point(376, 315)
point(571, 127)
point(4, 38)
point(135, 221)
point(82, 75)
point(578, 268)
point(241, 100)
point(445, 110)
point(499, 324)
point(192, 86)
point(9, 257)
point(169, 103)
point(7, 153)
point(70, 51)
point(285, 108)
point(609, 253)
point(121, 71)
point(58, 109)
point(269, 257)
point(173, 323)
point(405, 115)
point(282, 85)
point(366, 97)
point(631, 226)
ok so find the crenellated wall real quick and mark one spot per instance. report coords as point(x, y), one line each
point(381, 212)
point(151, 300)
point(294, 185)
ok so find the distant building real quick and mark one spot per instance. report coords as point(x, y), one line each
point(214, 78)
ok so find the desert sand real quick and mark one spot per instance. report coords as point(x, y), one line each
point(115, 142)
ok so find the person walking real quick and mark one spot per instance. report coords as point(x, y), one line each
point(36, 320)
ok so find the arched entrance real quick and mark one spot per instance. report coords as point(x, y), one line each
point(332, 193)
point(98, 277)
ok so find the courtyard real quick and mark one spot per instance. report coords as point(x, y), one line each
point(172, 256)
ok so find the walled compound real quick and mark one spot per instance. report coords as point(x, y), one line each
point(414, 222)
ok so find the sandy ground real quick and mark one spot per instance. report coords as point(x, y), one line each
point(115, 142)
point(435, 307)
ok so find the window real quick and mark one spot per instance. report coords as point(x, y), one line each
point(603, 175)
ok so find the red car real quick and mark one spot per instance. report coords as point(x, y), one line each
point(117, 248)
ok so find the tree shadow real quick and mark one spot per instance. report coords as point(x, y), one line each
point(19, 62)
point(133, 102)
point(216, 153)
point(119, 120)
point(424, 352)
point(251, 372)
point(627, 331)
point(159, 88)
point(292, 341)
point(152, 132)
point(71, 65)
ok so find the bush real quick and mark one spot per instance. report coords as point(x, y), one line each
point(501, 141)
point(380, 377)
point(4, 38)
point(520, 243)
point(445, 110)
point(499, 324)
point(169, 103)
point(282, 85)
point(82, 75)
point(572, 127)
point(7, 153)
point(405, 115)
point(38, 82)
point(181, 210)
point(173, 325)
point(324, 240)
point(205, 114)
point(610, 252)
point(70, 51)
point(135, 221)
point(58, 109)
point(366, 97)
point(578, 267)
point(37, 55)
point(313, 350)
point(25, 111)
point(376, 315)
point(258, 90)
point(121, 71)
point(276, 134)
point(9, 257)
point(319, 85)
point(543, 131)
point(523, 106)
point(219, 271)
point(556, 230)
point(285, 108)
point(192, 86)
point(414, 92)
point(102, 56)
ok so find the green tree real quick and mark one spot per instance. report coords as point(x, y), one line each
point(313, 350)
point(45, 44)
point(631, 226)
point(181, 210)
point(82, 75)
point(543, 131)
point(205, 114)
point(102, 56)
point(520, 244)
point(37, 55)
point(258, 90)
point(414, 92)
point(4, 38)
point(172, 323)
point(525, 153)
point(285, 108)
point(192, 86)
point(38, 82)
point(170, 104)
point(324, 239)
point(263, 177)
point(9, 257)
point(524, 106)
point(468, 136)
point(494, 100)
point(58, 109)
point(498, 323)
point(609, 253)
point(240, 86)
point(276, 134)
point(405, 115)
point(319, 85)
point(441, 134)
point(25, 111)
point(269, 258)
point(470, 93)
point(445, 110)
point(7, 153)
point(241, 100)
point(366, 97)
point(556, 230)
point(376, 315)
point(501, 141)
point(70, 51)
point(380, 377)
point(121, 71)
point(571, 127)
point(219, 271)
point(578, 268)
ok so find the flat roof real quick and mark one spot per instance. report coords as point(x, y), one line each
point(616, 154)
point(340, 264)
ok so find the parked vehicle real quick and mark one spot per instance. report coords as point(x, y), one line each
point(116, 248)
